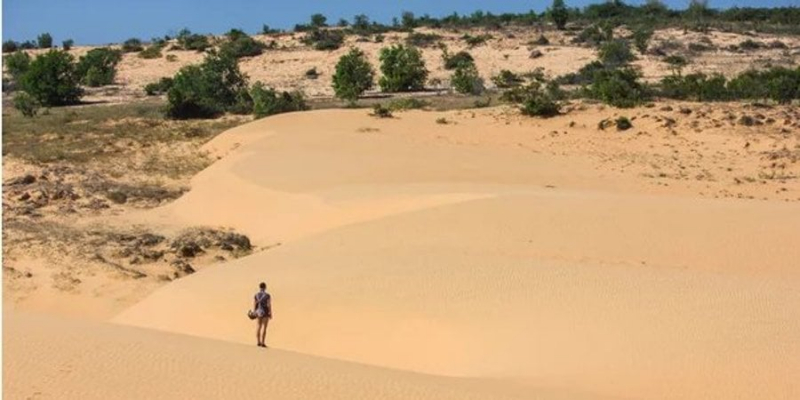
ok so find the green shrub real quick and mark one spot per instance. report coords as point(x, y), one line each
point(403, 69)
point(378, 110)
point(240, 45)
point(536, 102)
point(779, 84)
point(132, 45)
point(27, 45)
point(559, 14)
point(172, 58)
point(319, 21)
point(615, 53)
point(153, 51)
point(750, 44)
point(67, 44)
point(591, 35)
point(422, 39)
point(17, 64)
point(462, 58)
point(324, 39)
point(266, 30)
point(206, 90)
point(584, 76)
point(44, 41)
point(623, 123)
point(26, 104)
point(641, 38)
point(507, 79)
point(676, 62)
point(98, 66)
point(618, 87)
point(52, 80)
point(158, 88)
point(354, 75)
point(267, 101)
point(407, 103)
point(466, 80)
point(474, 41)
point(192, 41)
point(697, 87)
point(10, 46)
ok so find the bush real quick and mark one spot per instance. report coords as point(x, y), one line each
point(592, 35)
point(312, 73)
point(267, 101)
point(99, 66)
point(158, 88)
point(779, 84)
point(615, 53)
point(67, 44)
point(584, 76)
point(507, 79)
point(240, 45)
point(51, 79)
point(697, 87)
point(324, 39)
point(422, 39)
point(618, 87)
point(10, 46)
point(354, 75)
point(380, 111)
point(153, 51)
point(27, 45)
point(17, 64)
point(403, 69)
point(466, 80)
point(132, 45)
point(171, 58)
point(319, 21)
point(474, 41)
point(641, 39)
point(192, 41)
point(750, 44)
point(45, 41)
point(699, 47)
point(462, 58)
point(407, 103)
point(538, 103)
point(208, 89)
point(541, 41)
point(26, 104)
point(623, 124)
point(559, 14)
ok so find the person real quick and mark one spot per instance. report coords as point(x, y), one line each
point(262, 305)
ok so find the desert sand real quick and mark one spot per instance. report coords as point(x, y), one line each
point(491, 256)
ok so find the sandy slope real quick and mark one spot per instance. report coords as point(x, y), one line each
point(472, 250)
point(51, 358)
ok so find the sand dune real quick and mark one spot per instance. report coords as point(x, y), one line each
point(440, 252)
point(53, 358)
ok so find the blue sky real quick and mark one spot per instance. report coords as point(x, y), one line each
point(109, 21)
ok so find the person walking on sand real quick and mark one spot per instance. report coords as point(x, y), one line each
point(262, 306)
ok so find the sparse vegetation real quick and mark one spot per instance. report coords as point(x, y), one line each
point(381, 111)
point(192, 41)
point(324, 39)
point(507, 79)
point(403, 69)
point(354, 75)
point(151, 52)
point(641, 39)
point(423, 39)
point(475, 41)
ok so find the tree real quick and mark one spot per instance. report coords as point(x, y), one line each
point(10, 46)
point(403, 69)
point(208, 89)
point(319, 21)
point(17, 64)
point(99, 66)
point(354, 75)
point(559, 14)
point(408, 20)
point(45, 41)
point(51, 79)
point(67, 44)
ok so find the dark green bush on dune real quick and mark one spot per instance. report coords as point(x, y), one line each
point(403, 69)
point(99, 66)
point(206, 90)
point(353, 76)
point(52, 80)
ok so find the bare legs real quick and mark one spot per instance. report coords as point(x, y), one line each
point(261, 331)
